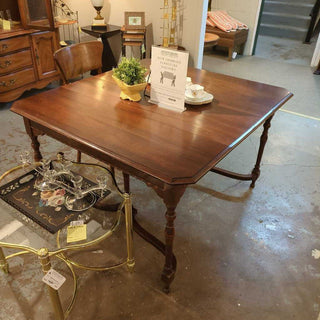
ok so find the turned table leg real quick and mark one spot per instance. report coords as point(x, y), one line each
point(171, 196)
point(263, 140)
point(34, 140)
point(126, 182)
point(230, 52)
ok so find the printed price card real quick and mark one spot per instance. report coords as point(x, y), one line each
point(54, 279)
point(6, 25)
point(168, 77)
point(76, 233)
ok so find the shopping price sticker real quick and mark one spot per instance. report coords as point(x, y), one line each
point(6, 24)
point(54, 279)
point(76, 233)
point(76, 223)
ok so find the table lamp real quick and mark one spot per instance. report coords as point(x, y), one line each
point(98, 21)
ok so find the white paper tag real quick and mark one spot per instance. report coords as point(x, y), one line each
point(76, 223)
point(54, 279)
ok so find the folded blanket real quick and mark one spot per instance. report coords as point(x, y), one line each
point(223, 21)
point(210, 23)
point(219, 21)
point(237, 23)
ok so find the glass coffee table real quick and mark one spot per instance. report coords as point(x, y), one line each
point(67, 210)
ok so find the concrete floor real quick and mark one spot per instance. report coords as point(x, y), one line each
point(242, 254)
point(285, 50)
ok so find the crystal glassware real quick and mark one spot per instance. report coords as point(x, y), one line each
point(25, 158)
point(103, 182)
point(80, 200)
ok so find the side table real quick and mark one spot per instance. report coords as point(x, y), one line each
point(108, 59)
point(210, 39)
point(44, 210)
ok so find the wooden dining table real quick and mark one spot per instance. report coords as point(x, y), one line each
point(168, 150)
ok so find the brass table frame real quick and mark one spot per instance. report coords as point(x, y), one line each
point(44, 255)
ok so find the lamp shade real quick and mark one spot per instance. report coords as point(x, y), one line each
point(97, 3)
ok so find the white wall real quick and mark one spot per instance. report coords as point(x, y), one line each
point(316, 54)
point(194, 29)
point(85, 10)
point(113, 12)
point(246, 12)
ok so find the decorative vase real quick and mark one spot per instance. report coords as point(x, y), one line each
point(131, 93)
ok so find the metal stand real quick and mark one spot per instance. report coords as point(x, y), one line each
point(61, 253)
point(43, 255)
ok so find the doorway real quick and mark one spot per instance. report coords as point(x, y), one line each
point(282, 30)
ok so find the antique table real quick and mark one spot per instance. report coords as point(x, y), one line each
point(108, 59)
point(168, 150)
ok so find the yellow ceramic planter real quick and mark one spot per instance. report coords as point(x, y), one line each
point(131, 93)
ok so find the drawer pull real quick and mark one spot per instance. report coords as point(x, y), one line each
point(6, 64)
point(8, 84)
point(4, 47)
point(37, 56)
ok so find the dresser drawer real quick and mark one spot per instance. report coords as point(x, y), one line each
point(12, 44)
point(11, 62)
point(17, 79)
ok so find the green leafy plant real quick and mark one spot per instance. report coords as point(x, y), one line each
point(130, 71)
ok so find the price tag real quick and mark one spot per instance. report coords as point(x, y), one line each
point(63, 43)
point(54, 279)
point(76, 233)
point(6, 25)
point(76, 223)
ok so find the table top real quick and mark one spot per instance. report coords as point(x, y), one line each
point(148, 141)
point(109, 32)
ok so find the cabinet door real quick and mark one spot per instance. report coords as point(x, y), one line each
point(44, 45)
point(36, 14)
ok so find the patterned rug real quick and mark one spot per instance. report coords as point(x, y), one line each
point(46, 208)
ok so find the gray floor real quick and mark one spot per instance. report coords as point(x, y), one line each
point(285, 50)
point(242, 254)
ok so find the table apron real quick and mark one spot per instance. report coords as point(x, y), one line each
point(34, 128)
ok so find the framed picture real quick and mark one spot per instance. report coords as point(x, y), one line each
point(134, 20)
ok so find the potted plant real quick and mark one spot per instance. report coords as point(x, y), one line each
point(130, 77)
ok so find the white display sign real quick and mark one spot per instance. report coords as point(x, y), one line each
point(168, 77)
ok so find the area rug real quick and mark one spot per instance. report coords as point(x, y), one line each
point(46, 208)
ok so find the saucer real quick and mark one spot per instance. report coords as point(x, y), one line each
point(205, 98)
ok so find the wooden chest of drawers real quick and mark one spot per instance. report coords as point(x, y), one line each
point(26, 62)
point(11, 62)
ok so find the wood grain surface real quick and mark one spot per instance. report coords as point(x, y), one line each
point(145, 140)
